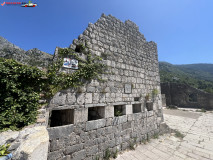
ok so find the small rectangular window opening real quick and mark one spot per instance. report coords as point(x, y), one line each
point(95, 113)
point(136, 98)
point(149, 106)
point(136, 108)
point(119, 110)
point(61, 117)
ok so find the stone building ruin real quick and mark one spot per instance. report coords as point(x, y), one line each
point(113, 114)
point(185, 96)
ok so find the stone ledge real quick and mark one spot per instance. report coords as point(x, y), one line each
point(60, 131)
point(118, 103)
point(90, 125)
point(120, 120)
point(95, 105)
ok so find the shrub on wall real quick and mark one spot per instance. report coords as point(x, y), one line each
point(89, 68)
point(21, 85)
point(19, 94)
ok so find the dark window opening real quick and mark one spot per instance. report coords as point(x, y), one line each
point(79, 48)
point(136, 98)
point(149, 106)
point(119, 110)
point(193, 98)
point(136, 108)
point(61, 117)
point(95, 113)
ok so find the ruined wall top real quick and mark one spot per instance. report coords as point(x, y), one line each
point(118, 39)
point(126, 31)
point(131, 61)
point(127, 23)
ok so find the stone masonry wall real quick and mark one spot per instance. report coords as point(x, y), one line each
point(183, 95)
point(133, 74)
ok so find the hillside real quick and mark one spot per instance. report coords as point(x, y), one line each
point(200, 71)
point(33, 57)
point(196, 75)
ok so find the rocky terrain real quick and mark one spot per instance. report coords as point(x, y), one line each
point(33, 57)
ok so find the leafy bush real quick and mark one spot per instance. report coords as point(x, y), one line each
point(155, 92)
point(21, 86)
point(4, 150)
point(89, 69)
point(19, 94)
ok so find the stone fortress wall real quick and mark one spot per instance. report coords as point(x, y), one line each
point(186, 96)
point(112, 114)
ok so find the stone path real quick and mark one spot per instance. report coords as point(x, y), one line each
point(196, 145)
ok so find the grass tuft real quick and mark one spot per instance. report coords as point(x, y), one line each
point(178, 134)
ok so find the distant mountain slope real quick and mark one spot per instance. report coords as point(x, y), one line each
point(200, 71)
point(196, 75)
point(32, 57)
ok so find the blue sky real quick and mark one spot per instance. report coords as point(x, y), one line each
point(183, 29)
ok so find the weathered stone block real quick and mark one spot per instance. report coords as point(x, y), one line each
point(92, 150)
point(119, 120)
point(102, 98)
point(128, 109)
point(109, 111)
point(90, 125)
point(95, 97)
point(59, 132)
point(55, 145)
point(71, 149)
point(88, 98)
point(111, 143)
point(90, 142)
point(79, 155)
point(109, 121)
point(71, 98)
point(127, 125)
point(81, 115)
point(55, 155)
point(81, 98)
point(59, 99)
point(90, 89)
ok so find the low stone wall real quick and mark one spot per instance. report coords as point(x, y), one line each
point(183, 95)
point(27, 144)
point(90, 140)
